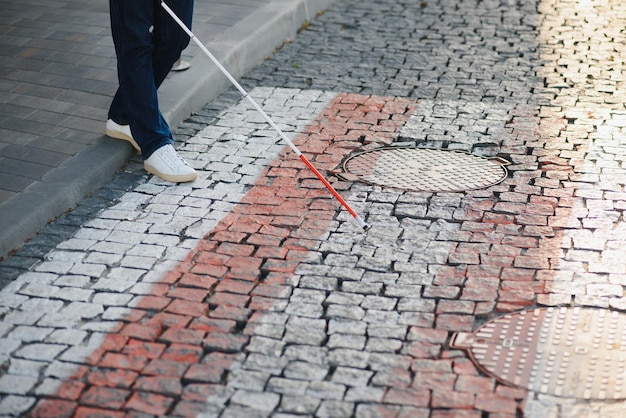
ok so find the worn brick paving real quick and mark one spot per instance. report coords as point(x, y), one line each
point(282, 301)
point(251, 293)
point(167, 336)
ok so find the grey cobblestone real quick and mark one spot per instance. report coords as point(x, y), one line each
point(82, 310)
point(309, 310)
point(351, 377)
point(48, 387)
point(256, 401)
point(383, 345)
point(346, 273)
point(346, 327)
point(58, 267)
point(102, 259)
point(116, 313)
point(12, 300)
point(308, 353)
point(269, 330)
point(381, 317)
point(240, 411)
point(308, 296)
point(74, 294)
point(16, 405)
point(346, 312)
point(272, 364)
point(381, 264)
point(67, 337)
point(346, 341)
point(72, 281)
point(268, 346)
point(4, 329)
point(287, 387)
point(362, 288)
point(67, 256)
point(30, 334)
point(22, 317)
point(365, 394)
point(116, 284)
point(41, 352)
point(303, 370)
point(364, 309)
point(344, 298)
point(108, 247)
point(347, 357)
point(42, 290)
point(298, 405)
point(59, 320)
point(111, 299)
point(335, 409)
point(248, 380)
point(25, 367)
point(17, 385)
point(303, 330)
point(326, 390)
point(140, 263)
point(379, 302)
point(60, 369)
point(37, 305)
point(318, 282)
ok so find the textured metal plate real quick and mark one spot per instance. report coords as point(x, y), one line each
point(568, 352)
point(427, 170)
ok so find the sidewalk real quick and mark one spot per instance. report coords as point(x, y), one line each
point(251, 292)
point(57, 78)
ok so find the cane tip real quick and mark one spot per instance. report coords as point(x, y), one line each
point(366, 227)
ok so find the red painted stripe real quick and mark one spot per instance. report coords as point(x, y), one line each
point(208, 305)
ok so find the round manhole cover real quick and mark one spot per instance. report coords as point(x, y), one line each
point(568, 352)
point(426, 170)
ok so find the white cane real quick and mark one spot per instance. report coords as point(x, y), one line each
point(245, 94)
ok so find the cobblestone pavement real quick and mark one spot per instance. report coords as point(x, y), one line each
point(250, 292)
point(58, 76)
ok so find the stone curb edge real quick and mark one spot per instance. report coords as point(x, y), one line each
point(238, 49)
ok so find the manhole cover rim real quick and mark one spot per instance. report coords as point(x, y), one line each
point(495, 163)
point(591, 365)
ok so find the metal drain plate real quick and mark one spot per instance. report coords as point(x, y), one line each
point(568, 352)
point(427, 170)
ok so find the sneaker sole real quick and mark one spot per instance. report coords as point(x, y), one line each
point(181, 178)
point(119, 135)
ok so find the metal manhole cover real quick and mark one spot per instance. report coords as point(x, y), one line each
point(568, 352)
point(427, 170)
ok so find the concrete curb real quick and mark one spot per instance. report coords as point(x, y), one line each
point(238, 49)
point(59, 191)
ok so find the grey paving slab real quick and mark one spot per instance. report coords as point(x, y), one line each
point(248, 293)
point(58, 70)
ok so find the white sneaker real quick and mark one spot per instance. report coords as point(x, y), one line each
point(181, 65)
point(117, 131)
point(168, 165)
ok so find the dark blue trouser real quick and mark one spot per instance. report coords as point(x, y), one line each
point(147, 43)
